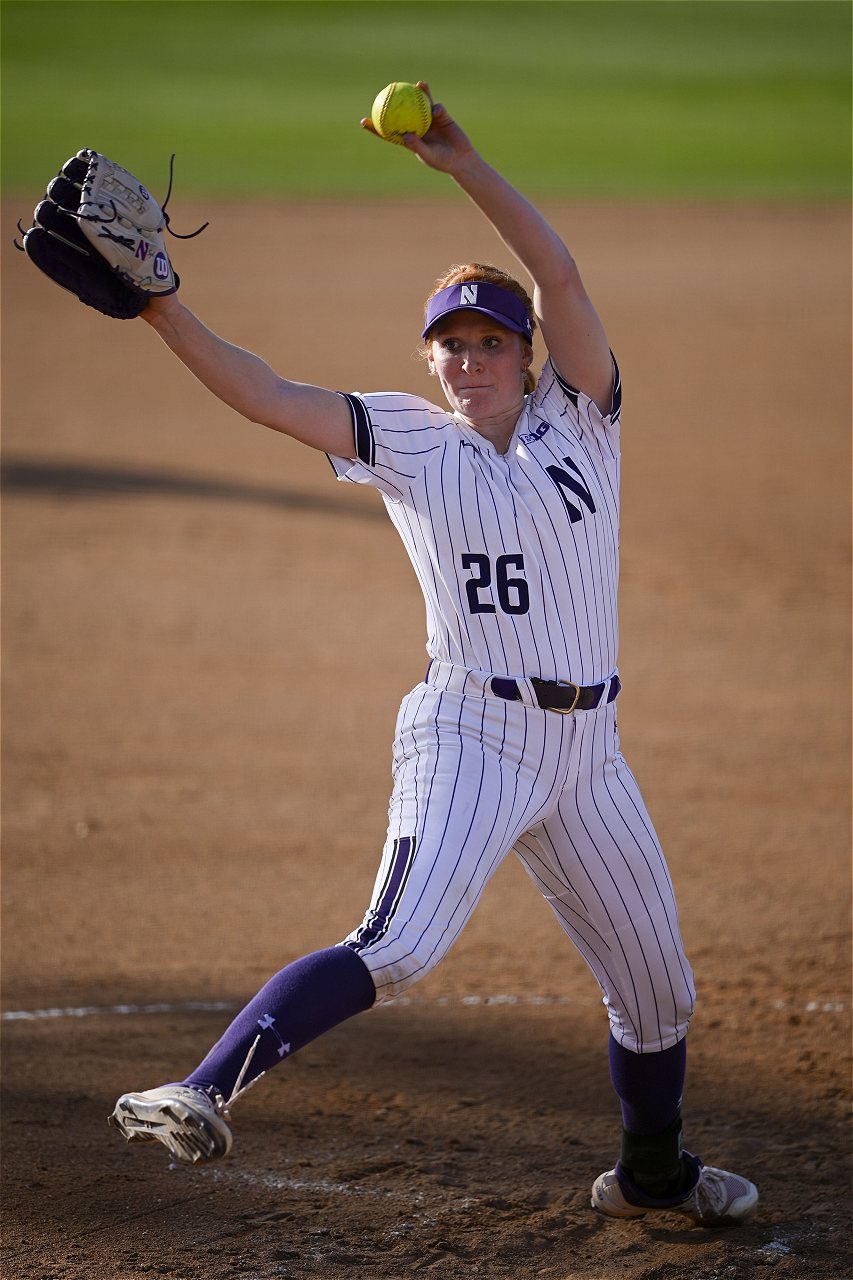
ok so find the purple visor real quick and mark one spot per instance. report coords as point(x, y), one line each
point(490, 299)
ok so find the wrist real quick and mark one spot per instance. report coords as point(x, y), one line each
point(160, 308)
point(472, 171)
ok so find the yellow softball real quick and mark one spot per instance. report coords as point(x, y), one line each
point(401, 108)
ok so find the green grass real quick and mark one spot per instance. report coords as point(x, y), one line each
point(638, 98)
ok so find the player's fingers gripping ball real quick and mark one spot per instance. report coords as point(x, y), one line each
point(401, 108)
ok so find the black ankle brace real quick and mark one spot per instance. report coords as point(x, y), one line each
point(654, 1163)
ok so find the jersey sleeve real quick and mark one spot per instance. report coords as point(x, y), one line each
point(394, 435)
point(601, 429)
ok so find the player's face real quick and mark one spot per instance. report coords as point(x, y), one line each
point(480, 366)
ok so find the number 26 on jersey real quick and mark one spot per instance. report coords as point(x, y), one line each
point(511, 590)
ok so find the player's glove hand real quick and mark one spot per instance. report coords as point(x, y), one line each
point(100, 234)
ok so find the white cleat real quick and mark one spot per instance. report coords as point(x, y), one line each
point(190, 1125)
point(719, 1199)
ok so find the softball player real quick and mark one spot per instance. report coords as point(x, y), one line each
point(507, 503)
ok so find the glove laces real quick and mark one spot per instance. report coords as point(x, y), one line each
point(176, 234)
point(96, 217)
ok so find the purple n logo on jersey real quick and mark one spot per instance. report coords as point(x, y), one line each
point(564, 481)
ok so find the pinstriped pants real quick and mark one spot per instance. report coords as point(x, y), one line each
point(476, 777)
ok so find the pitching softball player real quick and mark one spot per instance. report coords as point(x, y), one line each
point(507, 501)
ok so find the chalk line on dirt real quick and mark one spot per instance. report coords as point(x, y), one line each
point(315, 1186)
point(230, 1006)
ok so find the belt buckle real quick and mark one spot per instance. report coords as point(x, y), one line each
point(567, 711)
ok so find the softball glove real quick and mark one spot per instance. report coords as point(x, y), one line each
point(101, 235)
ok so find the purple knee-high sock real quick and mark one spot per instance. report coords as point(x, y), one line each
point(649, 1086)
point(302, 1001)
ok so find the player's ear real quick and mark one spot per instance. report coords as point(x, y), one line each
point(526, 355)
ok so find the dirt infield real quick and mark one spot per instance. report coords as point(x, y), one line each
point(206, 640)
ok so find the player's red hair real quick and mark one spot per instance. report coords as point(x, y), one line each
point(482, 273)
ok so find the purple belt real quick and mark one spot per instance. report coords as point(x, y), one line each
point(559, 695)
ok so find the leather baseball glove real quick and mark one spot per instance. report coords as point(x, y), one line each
point(101, 235)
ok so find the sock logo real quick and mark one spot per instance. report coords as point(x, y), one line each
point(267, 1023)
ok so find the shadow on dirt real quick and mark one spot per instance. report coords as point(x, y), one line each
point(83, 480)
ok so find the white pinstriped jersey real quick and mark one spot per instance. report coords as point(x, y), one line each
point(516, 553)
